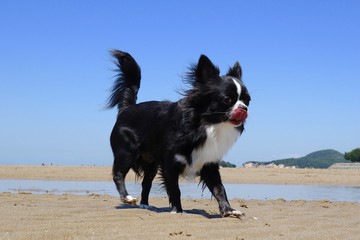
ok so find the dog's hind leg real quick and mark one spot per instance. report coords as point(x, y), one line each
point(171, 181)
point(120, 169)
point(150, 172)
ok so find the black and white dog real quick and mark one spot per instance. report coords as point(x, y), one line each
point(187, 137)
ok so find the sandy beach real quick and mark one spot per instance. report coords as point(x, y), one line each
point(49, 216)
point(229, 175)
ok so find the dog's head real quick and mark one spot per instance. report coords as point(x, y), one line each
point(217, 98)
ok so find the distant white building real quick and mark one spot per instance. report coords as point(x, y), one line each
point(270, 165)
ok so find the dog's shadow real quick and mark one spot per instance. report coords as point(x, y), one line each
point(167, 209)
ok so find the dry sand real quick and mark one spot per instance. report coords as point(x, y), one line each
point(229, 175)
point(48, 216)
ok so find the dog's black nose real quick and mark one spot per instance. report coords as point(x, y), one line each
point(243, 108)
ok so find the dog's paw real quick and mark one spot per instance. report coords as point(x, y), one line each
point(144, 206)
point(129, 200)
point(176, 210)
point(233, 213)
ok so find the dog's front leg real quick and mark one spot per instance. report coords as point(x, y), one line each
point(210, 175)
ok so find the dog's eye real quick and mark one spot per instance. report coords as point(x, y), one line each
point(227, 100)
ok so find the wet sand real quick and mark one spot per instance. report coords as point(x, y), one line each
point(49, 216)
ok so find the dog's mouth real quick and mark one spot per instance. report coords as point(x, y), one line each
point(238, 116)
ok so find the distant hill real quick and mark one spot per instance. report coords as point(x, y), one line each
point(318, 159)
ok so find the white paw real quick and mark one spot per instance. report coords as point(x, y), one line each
point(234, 213)
point(129, 200)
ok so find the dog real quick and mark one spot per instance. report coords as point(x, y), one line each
point(184, 138)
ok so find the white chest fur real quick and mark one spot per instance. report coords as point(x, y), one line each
point(220, 137)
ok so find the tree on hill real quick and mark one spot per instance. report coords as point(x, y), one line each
point(227, 164)
point(353, 155)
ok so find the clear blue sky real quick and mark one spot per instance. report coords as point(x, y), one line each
point(300, 59)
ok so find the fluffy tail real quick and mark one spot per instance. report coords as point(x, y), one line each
point(127, 83)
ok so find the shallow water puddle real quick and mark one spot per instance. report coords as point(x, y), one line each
point(188, 190)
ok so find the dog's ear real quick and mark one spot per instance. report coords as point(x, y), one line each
point(235, 71)
point(205, 69)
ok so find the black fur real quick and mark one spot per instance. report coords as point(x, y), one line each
point(166, 136)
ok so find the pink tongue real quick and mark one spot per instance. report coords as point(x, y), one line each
point(239, 115)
